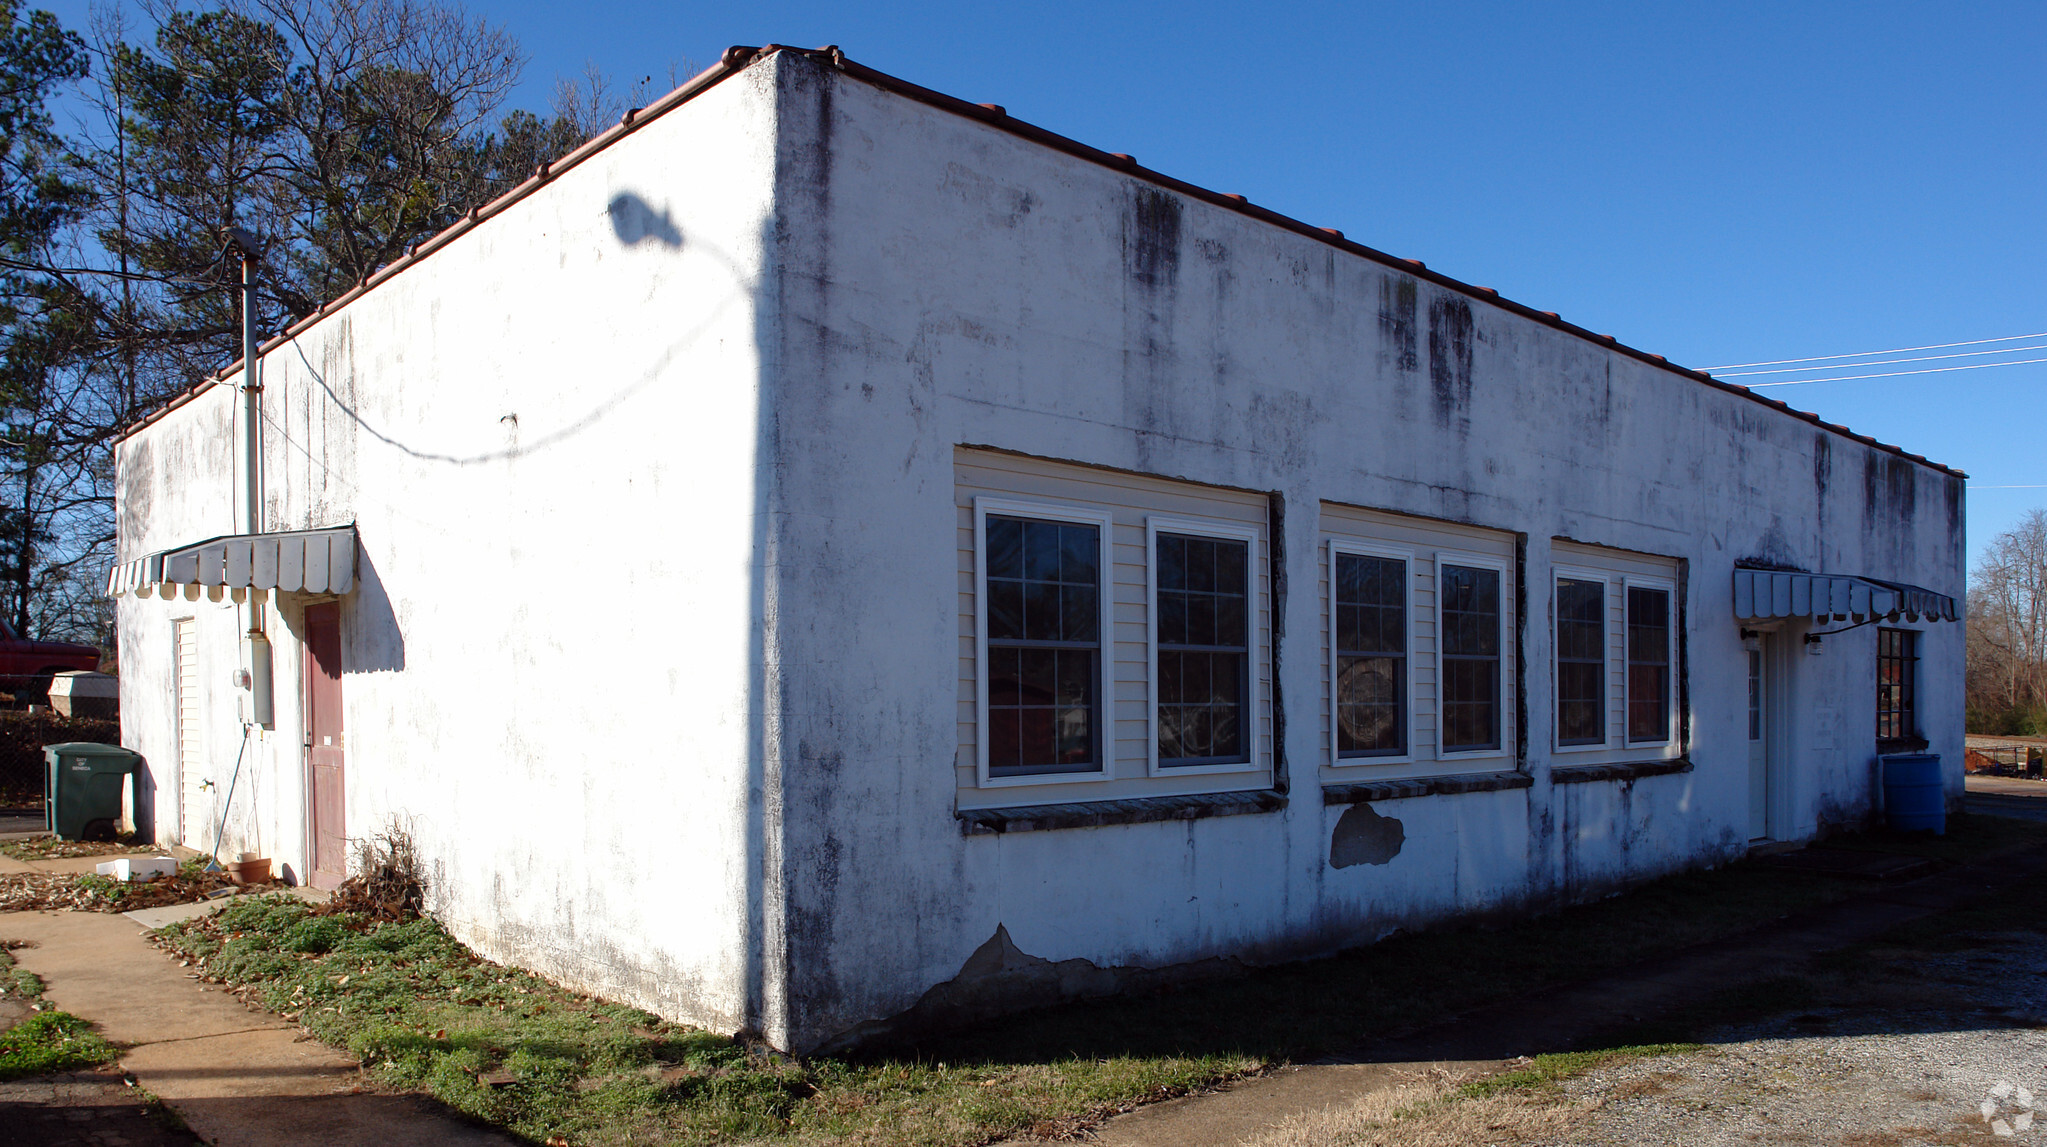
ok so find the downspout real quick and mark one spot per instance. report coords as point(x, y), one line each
point(261, 706)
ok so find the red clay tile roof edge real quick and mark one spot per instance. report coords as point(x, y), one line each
point(739, 57)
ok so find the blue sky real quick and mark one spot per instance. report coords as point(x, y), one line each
point(1722, 183)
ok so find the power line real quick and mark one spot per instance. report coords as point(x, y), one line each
point(1883, 361)
point(1867, 353)
point(1896, 373)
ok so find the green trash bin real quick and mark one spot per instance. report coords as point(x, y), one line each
point(86, 783)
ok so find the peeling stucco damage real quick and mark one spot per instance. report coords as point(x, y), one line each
point(1362, 836)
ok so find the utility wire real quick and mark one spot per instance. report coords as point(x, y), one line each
point(1883, 361)
point(1867, 353)
point(1896, 373)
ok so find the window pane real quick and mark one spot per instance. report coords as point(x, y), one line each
point(1005, 547)
point(1172, 561)
point(1041, 610)
point(1080, 554)
point(1004, 677)
point(1005, 609)
point(1041, 551)
point(1080, 617)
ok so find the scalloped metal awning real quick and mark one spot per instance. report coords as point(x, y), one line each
point(308, 561)
point(1760, 595)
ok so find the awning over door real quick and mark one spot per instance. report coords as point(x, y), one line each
point(311, 561)
point(1763, 594)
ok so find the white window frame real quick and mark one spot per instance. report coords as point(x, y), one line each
point(1669, 588)
point(1254, 637)
point(1339, 546)
point(1104, 696)
point(1505, 750)
point(1606, 579)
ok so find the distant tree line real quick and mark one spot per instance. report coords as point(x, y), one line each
point(2007, 608)
point(340, 132)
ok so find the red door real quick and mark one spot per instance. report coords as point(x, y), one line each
point(325, 746)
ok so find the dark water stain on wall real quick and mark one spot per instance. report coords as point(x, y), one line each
point(1154, 246)
point(1822, 477)
point(1890, 492)
point(1396, 319)
point(1362, 836)
point(1450, 361)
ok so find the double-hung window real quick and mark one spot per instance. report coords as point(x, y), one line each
point(1369, 651)
point(1470, 624)
point(1649, 655)
point(1043, 617)
point(1581, 661)
point(1897, 658)
point(1203, 610)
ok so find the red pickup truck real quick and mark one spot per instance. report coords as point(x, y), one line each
point(27, 666)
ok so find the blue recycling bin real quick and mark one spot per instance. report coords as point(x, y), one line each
point(1914, 798)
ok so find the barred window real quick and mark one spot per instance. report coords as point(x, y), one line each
point(1470, 686)
point(1648, 664)
point(1203, 649)
point(1896, 661)
point(1371, 655)
point(1044, 646)
point(1581, 662)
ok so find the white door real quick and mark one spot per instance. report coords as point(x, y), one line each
point(192, 810)
point(1758, 746)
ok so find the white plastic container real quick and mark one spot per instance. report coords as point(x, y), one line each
point(131, 868)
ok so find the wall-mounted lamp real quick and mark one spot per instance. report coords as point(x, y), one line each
point(1751, 641)
point(1815, 644)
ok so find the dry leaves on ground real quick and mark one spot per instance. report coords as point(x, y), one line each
point(30, 891)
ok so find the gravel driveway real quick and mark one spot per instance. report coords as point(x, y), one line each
point(1897, 1048)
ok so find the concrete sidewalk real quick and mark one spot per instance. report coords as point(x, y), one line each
point(1493, 1038)
point(239, 1076)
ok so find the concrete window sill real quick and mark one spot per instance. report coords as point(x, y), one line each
point(1138, 810)
point(1360, 792)
point(1580, 774)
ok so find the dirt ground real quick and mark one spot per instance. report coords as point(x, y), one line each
point(1878, 1048)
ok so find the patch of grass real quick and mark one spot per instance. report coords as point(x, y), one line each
point(18, 981)
point(51, 1041)
point(511, 1049)
point(1551, 1068)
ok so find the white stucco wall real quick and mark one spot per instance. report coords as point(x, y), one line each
point(947, 283)
point(663, 674)
point(545, 435)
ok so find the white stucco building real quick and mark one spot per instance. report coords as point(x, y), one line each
point(826, 551)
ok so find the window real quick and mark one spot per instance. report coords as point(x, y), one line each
point(1896, 660)
point(1201, 658)
point(1420, 670)
point(1470, 670)
point(1648, 664)
point(1043, 597)
point(1370, 653)
point(1581, 661)
point(1614, 668)
point(1115, 635)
